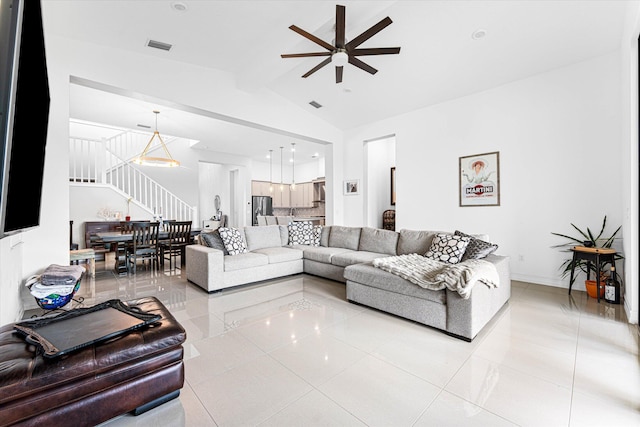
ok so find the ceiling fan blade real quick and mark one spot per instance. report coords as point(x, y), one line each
point(316, 68)
point(340, 25)
point(313, 38)
point(304, 55)
point(375, 51)
point(339, 74)
point(368, 34)
point(366, 67)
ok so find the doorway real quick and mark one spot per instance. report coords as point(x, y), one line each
point(380, 158)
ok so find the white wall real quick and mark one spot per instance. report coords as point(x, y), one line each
point(305, 172)
point(555, 132)
point(630, 165)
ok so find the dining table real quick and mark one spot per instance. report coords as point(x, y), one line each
point(120, 239)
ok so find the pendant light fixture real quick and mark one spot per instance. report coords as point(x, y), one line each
point(281, 183)
point(270, 171)
point(146, 160)
point(293, 166)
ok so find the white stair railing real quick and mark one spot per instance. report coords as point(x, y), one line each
point(96, 162)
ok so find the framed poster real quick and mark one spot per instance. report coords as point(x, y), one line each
point(351, 187)
point(393, 186)
point(480, 179)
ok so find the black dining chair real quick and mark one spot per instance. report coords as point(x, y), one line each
point(144, 245)
point(179, 237)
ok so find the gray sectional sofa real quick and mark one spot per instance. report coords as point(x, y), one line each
point(346, 254)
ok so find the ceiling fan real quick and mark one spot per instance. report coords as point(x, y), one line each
point(343, 53)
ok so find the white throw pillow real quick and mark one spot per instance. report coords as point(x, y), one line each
point(448, 248)
point(233, 241)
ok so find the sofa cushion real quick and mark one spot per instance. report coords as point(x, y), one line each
point(213, 240)
point(324, 235)
point(414, 241)
point(244, 260)
point(233, 240)
point(447, 248)
point(355, 257)
point(280, 254)
point(284, 235)
point(371, 276)
point(301, 233)
point(377, 240)
point(344, 237)
point(319, 253)
point(478, 248)
point(262, 237)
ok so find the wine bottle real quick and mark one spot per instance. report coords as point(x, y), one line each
point(612, 288)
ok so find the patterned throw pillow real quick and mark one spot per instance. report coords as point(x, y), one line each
point(233, 240)
point(477, 249)
point(213, 240)
point(302, 233)
point(447, 248)
point(317, 234)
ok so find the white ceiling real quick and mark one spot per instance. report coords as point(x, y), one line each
point(439, 60)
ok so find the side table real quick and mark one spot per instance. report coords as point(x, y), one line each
point(592, 255)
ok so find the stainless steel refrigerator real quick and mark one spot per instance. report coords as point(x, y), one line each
point(261, 205)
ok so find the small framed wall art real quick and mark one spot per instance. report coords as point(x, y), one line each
point(351, 187)
point(480, 179)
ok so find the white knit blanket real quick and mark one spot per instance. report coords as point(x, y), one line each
point(436, 275)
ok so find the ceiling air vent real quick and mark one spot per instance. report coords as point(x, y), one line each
point(159, 45)
point(315, 104)
point(143, 126)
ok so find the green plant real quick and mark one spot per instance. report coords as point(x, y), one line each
point(585, 236)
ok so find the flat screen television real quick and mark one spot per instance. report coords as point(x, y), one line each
point(24, 114)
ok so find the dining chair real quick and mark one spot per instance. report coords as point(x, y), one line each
point(179, 237)
point(144, 244)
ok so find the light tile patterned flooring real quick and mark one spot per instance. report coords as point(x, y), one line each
point(294, 352)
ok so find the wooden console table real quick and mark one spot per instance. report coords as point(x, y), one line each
point(592, 255)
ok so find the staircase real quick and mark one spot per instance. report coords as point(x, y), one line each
point(108, 162)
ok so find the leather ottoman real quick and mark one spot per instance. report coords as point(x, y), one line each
point(130, 373)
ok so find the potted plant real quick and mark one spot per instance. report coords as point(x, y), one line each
point(588, 239)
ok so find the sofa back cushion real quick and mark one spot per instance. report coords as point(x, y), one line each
point(284, 235)
point(415, 241)
point(344, 237)
point(260, 237)
point(378, 240)
point(324, 236)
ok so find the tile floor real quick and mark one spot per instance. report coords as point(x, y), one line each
point(293, 352)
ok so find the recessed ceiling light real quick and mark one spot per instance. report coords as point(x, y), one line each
point(478, 34)
point(315, 104)
point(179, 6)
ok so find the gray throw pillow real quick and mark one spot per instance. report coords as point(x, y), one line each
point(447, 248)
point(476, 249)
point(213, 240)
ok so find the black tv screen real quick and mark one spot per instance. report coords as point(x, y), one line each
point(24, 114)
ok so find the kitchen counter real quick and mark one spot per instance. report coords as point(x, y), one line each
point(316, 220)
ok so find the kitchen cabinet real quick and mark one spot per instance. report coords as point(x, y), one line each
point(302, 196)
point(281, 198)
point(260, 188)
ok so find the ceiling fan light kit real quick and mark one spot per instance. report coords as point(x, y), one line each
point(341, 53)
